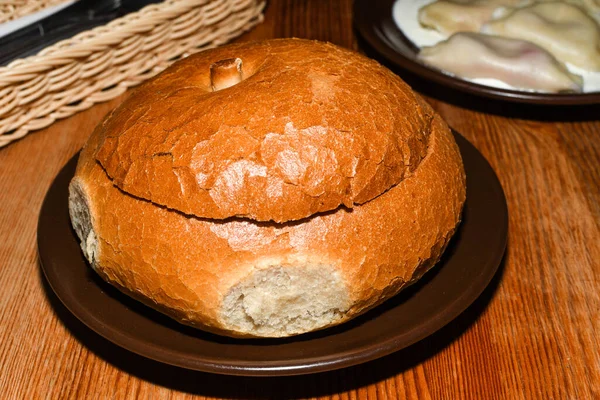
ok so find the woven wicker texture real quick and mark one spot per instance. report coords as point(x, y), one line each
point(14, 9)
point(100, 64)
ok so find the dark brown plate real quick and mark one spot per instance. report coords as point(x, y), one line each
point(376, 25)
point(467, 267)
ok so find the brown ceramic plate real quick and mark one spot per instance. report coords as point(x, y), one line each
point(467, 267)
point(374, 21)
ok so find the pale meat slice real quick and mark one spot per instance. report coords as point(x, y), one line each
point(518, 63)
point(592, 7)
point(451, 16)
point(565, 30)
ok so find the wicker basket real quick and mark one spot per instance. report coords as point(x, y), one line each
point(15, 9)
point(100, 64)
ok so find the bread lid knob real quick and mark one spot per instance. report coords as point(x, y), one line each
point(225, 73)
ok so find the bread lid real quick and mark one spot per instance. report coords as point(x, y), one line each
point(272, 131)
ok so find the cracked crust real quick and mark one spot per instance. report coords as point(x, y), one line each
point(309, 127)
point(202, 272)
point(295, 131)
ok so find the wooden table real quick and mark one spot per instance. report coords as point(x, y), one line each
point(534, 333)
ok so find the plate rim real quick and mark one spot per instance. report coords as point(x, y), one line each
point(369, 21)
point(299, 366)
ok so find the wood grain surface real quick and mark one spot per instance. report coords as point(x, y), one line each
point(533, 334)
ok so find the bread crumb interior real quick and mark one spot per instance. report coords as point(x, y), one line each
point(80, 217)
point(279, 301)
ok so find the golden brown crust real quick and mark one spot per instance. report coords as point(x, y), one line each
point(184, 265)
point(310, 127)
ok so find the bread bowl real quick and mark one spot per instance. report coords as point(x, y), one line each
point(268, 189)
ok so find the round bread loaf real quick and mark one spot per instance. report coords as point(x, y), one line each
point(268, 189)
